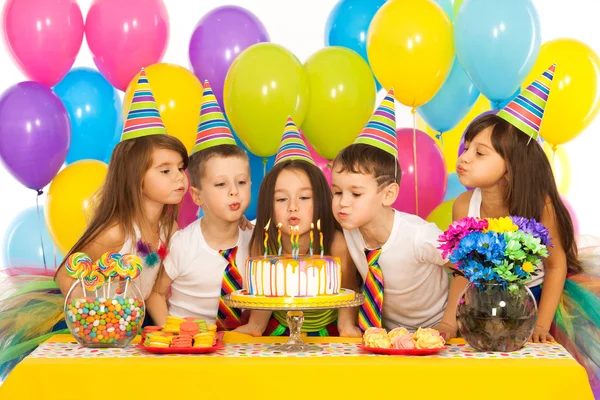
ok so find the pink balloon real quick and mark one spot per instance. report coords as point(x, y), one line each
point(573, 214)
point(125, 36)
point(188, 210)
point(431, 173)
point(44, 37)
point(321, 162)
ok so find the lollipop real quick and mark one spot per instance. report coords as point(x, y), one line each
point(78, 265)
point(129, 267)
point(94, 281)
point(107, 263)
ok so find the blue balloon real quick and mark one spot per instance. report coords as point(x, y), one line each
point(348, 24)
point(94, 108)
point(497, 43)
point(454, 187)
point(498, 105)
point(22, 245)
point(452, 102)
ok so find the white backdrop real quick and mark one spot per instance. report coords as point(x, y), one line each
point(299, 25)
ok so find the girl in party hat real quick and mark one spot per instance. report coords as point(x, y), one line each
point(136, 212)
point(295, 193)
point(512, 176)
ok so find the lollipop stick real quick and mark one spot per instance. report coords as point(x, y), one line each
point(126, 284)
point(82, 286)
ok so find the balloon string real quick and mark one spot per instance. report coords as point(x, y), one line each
point(264, 161)
point(40, 227)
point(414, 113)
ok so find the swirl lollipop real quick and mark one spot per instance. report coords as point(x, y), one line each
point(94, 281)
point(108, 266)
point(78, 266)
point(129, 267)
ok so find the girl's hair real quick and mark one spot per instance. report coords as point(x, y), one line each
point(321, 210)
point(118, 201)
point(530, 179)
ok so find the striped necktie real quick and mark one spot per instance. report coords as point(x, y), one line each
point(370, 312)
point(227, 317)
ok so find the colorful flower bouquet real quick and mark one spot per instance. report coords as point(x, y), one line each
point(496, 312)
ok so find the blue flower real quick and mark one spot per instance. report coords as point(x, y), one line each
point(491, 246)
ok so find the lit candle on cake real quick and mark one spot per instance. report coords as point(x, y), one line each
point(312, 238)
point(279, 238)
point(296, 229)
point(292, 239)
point(320, 236)
point(266, 237)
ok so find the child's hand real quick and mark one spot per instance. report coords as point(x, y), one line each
point(446, 330)
point(349, 331)
point(245, 224)
point(541, 335)
point(249, 329)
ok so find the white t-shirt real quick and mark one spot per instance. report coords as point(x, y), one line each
point(197, 272)
point(414, 279)
point(475, 212)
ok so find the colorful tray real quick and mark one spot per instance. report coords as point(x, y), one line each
point(185, 350)
point(401, 352)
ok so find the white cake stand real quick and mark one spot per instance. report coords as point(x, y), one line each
point(295, 314)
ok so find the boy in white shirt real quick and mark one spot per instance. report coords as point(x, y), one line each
point(202, 265)
point(396, 254)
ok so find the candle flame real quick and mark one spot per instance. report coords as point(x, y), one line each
point(312, 226)
point(267, 225)
point(318, 224)
point(279, 225)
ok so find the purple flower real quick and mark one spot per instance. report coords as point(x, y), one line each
point(536, 229)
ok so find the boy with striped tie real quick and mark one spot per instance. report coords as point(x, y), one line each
point(405, 282)
point(202, 265)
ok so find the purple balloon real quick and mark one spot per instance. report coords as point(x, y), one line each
point(219, 37)
point(35, 133)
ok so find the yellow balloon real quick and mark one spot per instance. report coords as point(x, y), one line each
point(342, 98)
point(442, 215)
point(265, 84)
point(574, 98)
point(561, 167)
point(410, 47)
point(68, 203)
point(450, 141)
point(178, 95)
point(456, 7)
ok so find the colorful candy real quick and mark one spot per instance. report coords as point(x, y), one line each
point(108, 262)
point(130, 266)
point(94, 281)
point(98, 321)
point(78, 265)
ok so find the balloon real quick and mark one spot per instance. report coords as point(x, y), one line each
point(450, 140)
point(342, 98)
point(265, 84)
point(411, 49)
point(348, 24)
point(497, 42)
point(574, 98)
point(94, 109)
point(69, 201)
point(431, 173)
point(454, 187)
point(456, 7)
point(34, 133)
point(178, 95)
point(571, 211)
point(323, 163)
point(447, 7)
point(188, 210)
point(43, 36)
point(452, 102)
point(23, 240)
point(125, 36)
point(502, 104)
point(442, 215)
point(217, 40)
point(561, 166)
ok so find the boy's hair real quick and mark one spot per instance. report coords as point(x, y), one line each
point(119, 199)
point(364, 159)
point(530, 178)
point(321, 208)
point(198, 160)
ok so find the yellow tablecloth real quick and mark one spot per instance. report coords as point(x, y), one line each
point(331, 377)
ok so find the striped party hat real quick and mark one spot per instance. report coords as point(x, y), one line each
point(380, 131)
point(292, 145)
point(527, 109)
point(213, 130)
point(143, 118)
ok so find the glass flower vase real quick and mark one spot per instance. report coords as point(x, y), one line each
point(110, 316)
point(493, 317)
